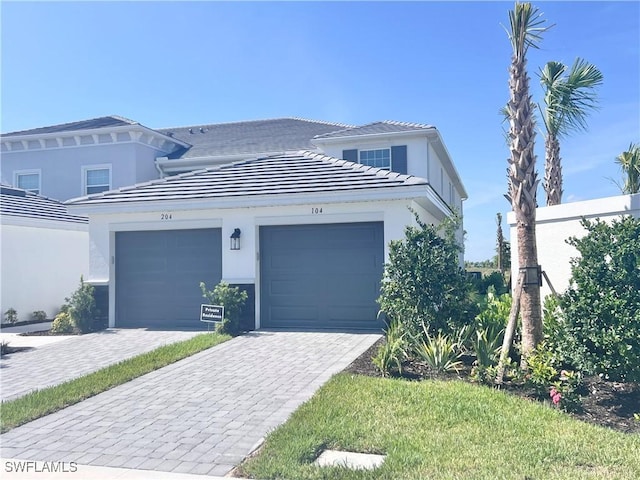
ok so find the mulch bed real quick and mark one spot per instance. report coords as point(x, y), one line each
point(608, 404)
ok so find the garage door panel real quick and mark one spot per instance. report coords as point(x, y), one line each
point(321, 276)
point(158, 275)
point(292, 288)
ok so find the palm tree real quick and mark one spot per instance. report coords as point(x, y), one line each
point(567, 101)
point(629, 161)
point(526, 31)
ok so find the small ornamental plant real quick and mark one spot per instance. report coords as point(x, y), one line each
point(11, 315)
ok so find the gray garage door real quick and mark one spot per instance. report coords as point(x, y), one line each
point(158, 275)
point(321, 276)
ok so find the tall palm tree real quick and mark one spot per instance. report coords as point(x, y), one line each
point(526, 31)
point(567, 101)
point(629, 161)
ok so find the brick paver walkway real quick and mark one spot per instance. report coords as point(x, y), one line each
point(58, 362)
point(201, 415)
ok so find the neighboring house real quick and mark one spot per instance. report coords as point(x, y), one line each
point(556, 224)
point(314, 204)
point(92, 156)
point(44, 252)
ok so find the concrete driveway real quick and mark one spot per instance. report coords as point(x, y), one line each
point(201, 415)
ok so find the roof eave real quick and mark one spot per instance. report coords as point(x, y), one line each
point(403, 192)
point(94, 131)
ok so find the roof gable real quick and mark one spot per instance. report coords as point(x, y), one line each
point(293, 173)
point(15, 202)
point(376, 128)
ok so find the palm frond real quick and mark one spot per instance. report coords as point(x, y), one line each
point(527, 27)
point(568, 98)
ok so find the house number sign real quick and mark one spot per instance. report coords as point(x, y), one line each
point(165, 216)
point(316, 210)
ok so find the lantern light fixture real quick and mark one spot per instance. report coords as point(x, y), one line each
point(235, 239)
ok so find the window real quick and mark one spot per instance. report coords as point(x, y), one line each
point(96, 179)
point(376, 158)
point(28, 180)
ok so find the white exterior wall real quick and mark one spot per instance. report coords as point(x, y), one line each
point(42, 262)
point(61, 169)
point(554, 225)
point(240, 266)
point(422, 161)
point(418, 150)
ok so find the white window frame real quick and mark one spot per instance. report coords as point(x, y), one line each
point(88, 168)
point(37, 171)
point(374, 150)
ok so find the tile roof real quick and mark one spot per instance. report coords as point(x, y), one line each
point(386, 126)
point(109, 121)
point(292, 173)
point(250, 137)
point(15, 202)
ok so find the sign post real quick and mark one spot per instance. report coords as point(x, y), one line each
point(211, 314)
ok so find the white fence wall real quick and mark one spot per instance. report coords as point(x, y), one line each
point(41, 266)
point(554, 225)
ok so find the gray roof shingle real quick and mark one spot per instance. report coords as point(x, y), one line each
point(386, 126)
point(292, 173)
point(251, 137)
point(93, 123)
point(15, 202)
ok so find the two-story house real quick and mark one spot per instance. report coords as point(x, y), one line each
point(299, 213)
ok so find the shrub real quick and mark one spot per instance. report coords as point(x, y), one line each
point(562, 387)
point(393, 351)
point(4, 347)
point(39, 316)
point(62, 323)
point(439, 353)
point(82, 307)
point(598, 331)
point(423, 283)
point(232, 299)
point(11, 315)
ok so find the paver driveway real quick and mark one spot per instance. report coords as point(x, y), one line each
point(73, 357)
point(201, 415)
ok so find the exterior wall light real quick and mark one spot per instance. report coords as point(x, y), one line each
point(532, 275)
point(235, 239)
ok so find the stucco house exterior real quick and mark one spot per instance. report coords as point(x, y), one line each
point(313, 206)
point(43, 251)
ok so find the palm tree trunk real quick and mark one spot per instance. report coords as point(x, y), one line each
point(553, 171)
point(523, 181)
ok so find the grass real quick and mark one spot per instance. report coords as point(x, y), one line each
point(441, 430)
point(48, 400)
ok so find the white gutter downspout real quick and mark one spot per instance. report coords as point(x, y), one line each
point(157, 164)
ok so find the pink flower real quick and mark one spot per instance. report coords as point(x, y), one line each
point(555, 395)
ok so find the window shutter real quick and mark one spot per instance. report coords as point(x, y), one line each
point(399, 159)
point(350, 155)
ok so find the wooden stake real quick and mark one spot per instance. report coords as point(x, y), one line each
point(510, 330)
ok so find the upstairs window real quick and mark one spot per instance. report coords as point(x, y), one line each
point(376, 158)
point(29, 181)
point(97, 179)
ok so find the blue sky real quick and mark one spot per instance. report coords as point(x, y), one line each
point(169, 64)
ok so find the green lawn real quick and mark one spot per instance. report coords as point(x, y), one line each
point(43, 402)
point(441, 430)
